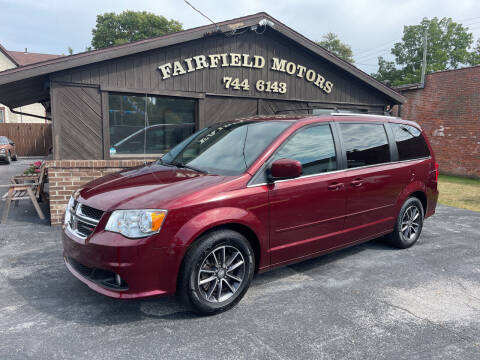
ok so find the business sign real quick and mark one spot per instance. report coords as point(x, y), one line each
point(225, 60)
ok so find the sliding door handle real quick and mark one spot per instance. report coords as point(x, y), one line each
point(357, 182)
point(335, 186)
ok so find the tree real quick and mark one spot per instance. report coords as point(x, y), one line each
point(447, 48)
point(112, 29)
point(475, 55)
point(332, 43)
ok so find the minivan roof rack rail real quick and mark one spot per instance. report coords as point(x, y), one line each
point(333, 109)
point(294, 109)
point(362, 114)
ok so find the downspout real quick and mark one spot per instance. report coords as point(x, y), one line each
point(27, 114)
point(424, 61)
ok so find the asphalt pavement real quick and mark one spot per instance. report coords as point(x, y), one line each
point(366, 302)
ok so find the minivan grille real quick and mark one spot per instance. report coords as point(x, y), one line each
point(91, 212)
point(84, 219)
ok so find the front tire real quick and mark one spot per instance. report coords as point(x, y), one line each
point(216, 272)
point(409, 224)
point(15, 158)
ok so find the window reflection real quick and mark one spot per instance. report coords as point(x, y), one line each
point(227, 148)
point(148, 124)
point(366, 144)
point(410, 142)
point(313, 147)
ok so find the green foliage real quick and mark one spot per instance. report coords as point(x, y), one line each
point(332, 43)
point(448, 46)
point(112, 29)
point(475, 55)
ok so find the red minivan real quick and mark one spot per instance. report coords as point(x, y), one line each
point(246, 196)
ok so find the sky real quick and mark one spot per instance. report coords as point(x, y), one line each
point(370, 27)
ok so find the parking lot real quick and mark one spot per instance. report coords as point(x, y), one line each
point(367, 302)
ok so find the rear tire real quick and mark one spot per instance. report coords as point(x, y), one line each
point(409, 224)
point(216, 272)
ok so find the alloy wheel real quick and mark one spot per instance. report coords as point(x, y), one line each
point(221, 274)
point(410, 222)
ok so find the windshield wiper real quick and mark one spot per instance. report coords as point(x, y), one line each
point(161, 162)
point(185, 166)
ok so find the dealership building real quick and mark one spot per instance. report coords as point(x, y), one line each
point(121, 106)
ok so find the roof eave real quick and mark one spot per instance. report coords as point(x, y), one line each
point(114, 52)
point(9, 57)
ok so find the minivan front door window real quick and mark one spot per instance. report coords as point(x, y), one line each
point(313, 147)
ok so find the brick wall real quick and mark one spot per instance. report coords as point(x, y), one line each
point(448, 109)
point(66, 176)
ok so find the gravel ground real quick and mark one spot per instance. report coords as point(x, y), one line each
point(366, 302)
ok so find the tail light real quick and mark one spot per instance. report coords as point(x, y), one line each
point(436, 171)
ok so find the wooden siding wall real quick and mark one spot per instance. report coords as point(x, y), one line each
point(77, 111)
point(30, 139)
point(140, 71)
point(79, 134)
point(218, 109)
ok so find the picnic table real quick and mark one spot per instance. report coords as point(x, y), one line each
point(25, 187)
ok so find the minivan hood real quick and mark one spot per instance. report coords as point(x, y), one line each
point(148, 187)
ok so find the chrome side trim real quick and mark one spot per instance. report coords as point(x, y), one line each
point(342, 170)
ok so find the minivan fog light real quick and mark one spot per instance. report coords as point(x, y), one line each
point(136, 223)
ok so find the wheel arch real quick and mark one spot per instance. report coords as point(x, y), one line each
point(243, 229)
point(416, 189)
point(236, 219)
point(420, 195)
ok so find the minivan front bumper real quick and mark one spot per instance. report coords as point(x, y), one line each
point(144, 271)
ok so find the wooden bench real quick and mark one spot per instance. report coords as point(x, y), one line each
point(25, 187)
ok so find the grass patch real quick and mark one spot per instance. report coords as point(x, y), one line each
point(459, 192)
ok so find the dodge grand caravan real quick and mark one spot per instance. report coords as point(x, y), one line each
point(246, 196)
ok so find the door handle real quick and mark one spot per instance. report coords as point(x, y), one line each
point(357, 182)
point(335, 186)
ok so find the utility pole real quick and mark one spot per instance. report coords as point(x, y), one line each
point(424, 61)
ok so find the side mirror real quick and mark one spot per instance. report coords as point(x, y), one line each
point(285, 169)
point(12, 143)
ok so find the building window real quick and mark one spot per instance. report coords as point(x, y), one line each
point(2, 115)
point(366, 144)
point(148, 124)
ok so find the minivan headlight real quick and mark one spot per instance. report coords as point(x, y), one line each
point(68, 215)
point(136, 223)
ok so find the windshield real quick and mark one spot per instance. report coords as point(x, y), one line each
point(227, 148)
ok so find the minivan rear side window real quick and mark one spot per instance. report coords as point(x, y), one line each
point(410, 142)
point(365, 144)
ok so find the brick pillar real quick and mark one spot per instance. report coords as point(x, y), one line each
point(66, 176)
